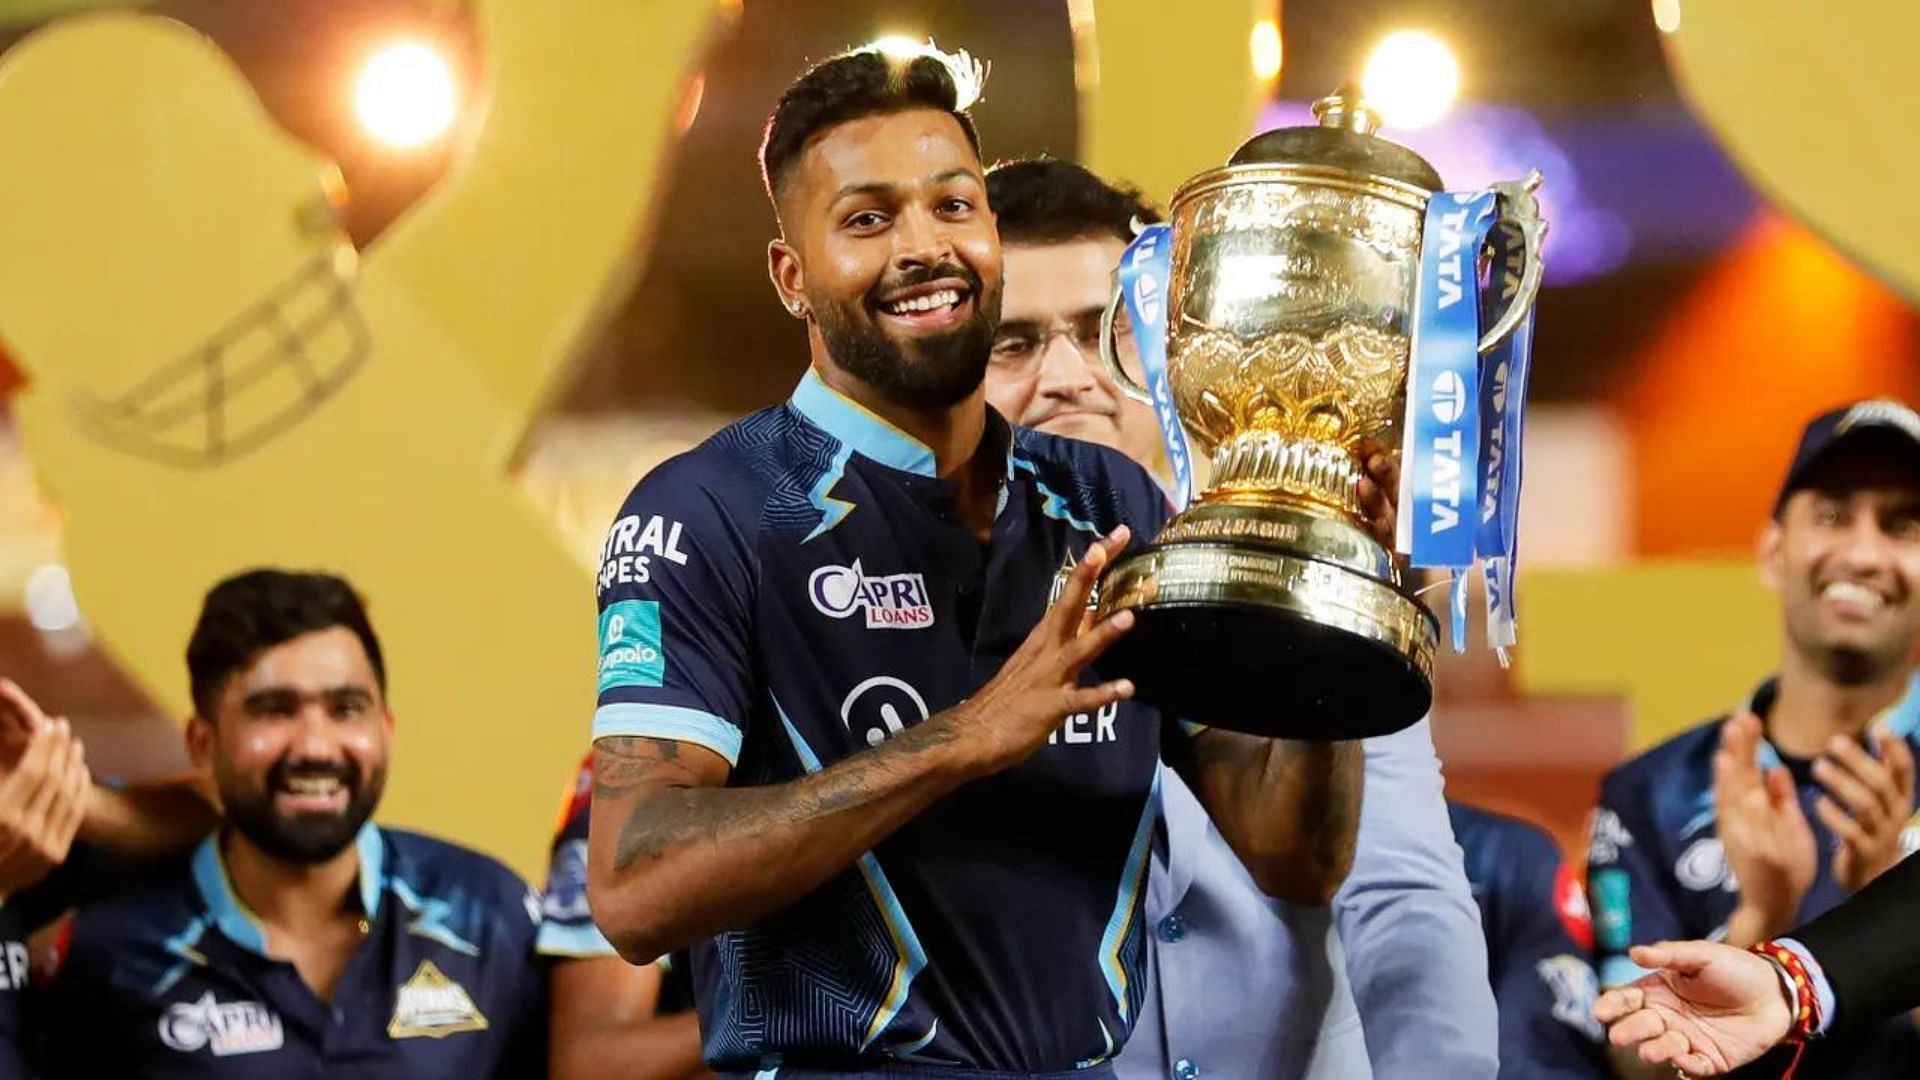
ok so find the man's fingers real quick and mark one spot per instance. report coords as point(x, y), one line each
point(1873, 775)
point(19, 710)
point(1088, 699)
point(1638, 1027)
point(1847, 787)
point(1841, 824)
point(1082, 650)
point(1064, 618)
point(1898, 758)
point(1663, 1047)
point(50, 771)
point(1617, 1003)
point(1680, 957)
point(1782, 793)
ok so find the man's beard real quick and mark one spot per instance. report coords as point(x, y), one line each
point(302, 839)
point(934, 372)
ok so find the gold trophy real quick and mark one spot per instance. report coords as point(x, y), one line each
point(1267, 605)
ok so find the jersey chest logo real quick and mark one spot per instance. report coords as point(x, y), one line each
point(889, 601)
point(225, 1027)
point(433, 1006)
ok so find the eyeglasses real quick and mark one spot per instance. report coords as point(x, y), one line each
point(1019, 350)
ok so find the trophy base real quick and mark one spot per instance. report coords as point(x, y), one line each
point(1269, 642)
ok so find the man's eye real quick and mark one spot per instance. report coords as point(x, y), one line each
point(867, 219)
point(1013, 348)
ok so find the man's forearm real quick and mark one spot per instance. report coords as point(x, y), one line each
point(1289, 809)
point(679, 861)
point(148, 819)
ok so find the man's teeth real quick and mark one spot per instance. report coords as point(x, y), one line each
point(1849, 593)
point(943, 298)
point(313, 785)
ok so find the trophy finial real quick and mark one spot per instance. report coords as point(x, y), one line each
point(1345, 110)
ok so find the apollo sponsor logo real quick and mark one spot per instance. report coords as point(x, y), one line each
point(630, 646)
point(225, 1027)
point(631, 546)
point(889, 601)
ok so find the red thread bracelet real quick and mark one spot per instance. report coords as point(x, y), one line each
point(1806, 1004)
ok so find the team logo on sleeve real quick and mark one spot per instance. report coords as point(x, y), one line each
point(890, 601)
point(566, 897)
point(432, 1006)
point(225, 1027)
point(630, 645)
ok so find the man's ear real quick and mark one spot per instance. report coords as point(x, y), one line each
point(200, 736)
point(1770, 552)
point(788, 277)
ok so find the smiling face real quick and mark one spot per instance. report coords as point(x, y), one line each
point(1046, 372)
point(1845, 558)
point(299, 745)
point(892, 248)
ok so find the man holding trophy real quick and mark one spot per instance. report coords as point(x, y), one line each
point(848, 743)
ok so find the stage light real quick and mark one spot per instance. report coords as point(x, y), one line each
point(405, 96)
point(49, 601)
point(899, 46)
point(1411, 79)
point(1666, 15)
point(1265, 47)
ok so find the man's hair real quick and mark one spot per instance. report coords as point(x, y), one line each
point(852, 86)
point(1049, 201)
point(251, 612)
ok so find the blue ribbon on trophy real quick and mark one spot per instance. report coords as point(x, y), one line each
point(1504, 375)
point(1144, 272)
point(1465, 413)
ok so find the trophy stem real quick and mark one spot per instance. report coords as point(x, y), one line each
point(1265, 463)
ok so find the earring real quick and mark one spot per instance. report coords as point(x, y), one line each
point(797, 306)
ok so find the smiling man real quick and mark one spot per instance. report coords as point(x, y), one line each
point(301, 939)
point(847, 746)
point(1745, 827)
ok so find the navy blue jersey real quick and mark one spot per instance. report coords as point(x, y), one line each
point(796, 590)
point(170, 978)
point(13, 985)
point(1656, 869)
point(567, 930)
point(1539, 937)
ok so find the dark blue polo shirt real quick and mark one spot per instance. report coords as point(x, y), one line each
point(170, 978)
point(798, 589)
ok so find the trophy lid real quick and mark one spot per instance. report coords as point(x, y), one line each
point(1344, 139)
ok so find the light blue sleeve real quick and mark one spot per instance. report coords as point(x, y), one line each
point(1416, 955)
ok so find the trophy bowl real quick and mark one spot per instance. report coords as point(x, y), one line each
point(1269, 606)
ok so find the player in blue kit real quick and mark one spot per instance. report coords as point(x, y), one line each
point(1744, 827)
point(605, 1009)
point(844, 747)
point(300, 940)
point(1539, 936)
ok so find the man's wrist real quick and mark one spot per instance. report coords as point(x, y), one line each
point(1808, 1004)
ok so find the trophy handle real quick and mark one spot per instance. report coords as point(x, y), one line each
point(1519, 209)
point(1110, 355)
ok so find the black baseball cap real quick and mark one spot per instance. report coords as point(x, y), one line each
point(1884, 420)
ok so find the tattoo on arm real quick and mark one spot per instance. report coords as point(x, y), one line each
point(680, 809)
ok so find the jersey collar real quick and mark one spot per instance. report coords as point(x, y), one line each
point(239, 925)
point(870, 436)
point(1902, 718)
